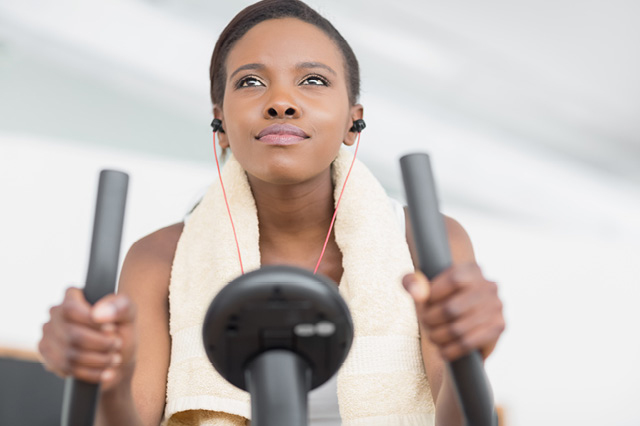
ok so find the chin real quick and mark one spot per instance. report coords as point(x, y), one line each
point(288, 170)
point(279, 174)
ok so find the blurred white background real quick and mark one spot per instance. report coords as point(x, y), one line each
point(529, 110)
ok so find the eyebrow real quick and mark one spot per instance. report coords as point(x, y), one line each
point(306, 65)
point(253, 66)
point(301, 65)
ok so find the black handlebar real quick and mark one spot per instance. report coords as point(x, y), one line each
point(434, 256)
point(80, 398)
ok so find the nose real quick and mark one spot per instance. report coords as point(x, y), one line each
point(281, 105)
point(277, 112)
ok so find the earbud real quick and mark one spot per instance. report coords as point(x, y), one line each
point(216, 124)
point(358, 126)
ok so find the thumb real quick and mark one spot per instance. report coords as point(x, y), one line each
point(113, 308)
point(417, 286)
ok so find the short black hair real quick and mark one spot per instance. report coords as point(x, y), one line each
point(277, 9)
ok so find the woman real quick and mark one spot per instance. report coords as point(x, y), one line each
point(284, 86)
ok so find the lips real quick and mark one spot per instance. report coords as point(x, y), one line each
point(281, 134)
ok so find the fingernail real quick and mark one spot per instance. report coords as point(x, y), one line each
point(107, 375)
point(418, 291)
point(104, 312)
point(415, 289)
point(408, 285)
point(117, 343)
point(116, 359)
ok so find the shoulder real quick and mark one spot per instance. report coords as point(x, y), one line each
point(158, 246)
point(459, 240)
point(149, 259)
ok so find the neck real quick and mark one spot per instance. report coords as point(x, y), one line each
point(302, 211)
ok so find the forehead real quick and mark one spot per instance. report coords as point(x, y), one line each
point(285, 42)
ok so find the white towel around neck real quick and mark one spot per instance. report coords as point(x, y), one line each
point(382, 382)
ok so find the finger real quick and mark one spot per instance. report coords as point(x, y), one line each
point(74, 294)
point(74, 308)
point(108, 377)
point(417, 286)
point(88, 359)
point(52, 356)
point(449, 332)
point(114, 308)
point(66, 362)
point(481, 338)
point(53, 348)
point(88, 374)
point(459, 305)
point(84, 338)
point(453, 280)
point(66, 334)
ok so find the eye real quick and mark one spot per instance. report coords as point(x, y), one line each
point(314, 80)
point(249, 81)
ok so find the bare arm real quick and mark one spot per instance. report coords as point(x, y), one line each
point(140, 399)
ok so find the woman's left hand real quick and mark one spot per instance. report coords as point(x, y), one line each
point(460, 310)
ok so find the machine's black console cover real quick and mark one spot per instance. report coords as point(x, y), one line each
point(278, 307)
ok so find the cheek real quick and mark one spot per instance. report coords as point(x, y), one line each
point(328, 120)
point(239, 120)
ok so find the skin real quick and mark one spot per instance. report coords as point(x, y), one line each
point(459, 311)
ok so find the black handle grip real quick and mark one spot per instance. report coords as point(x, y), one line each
point(434, 256)
point(80, 398)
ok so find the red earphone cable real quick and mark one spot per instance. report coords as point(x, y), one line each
point(326, 240)
point(224, 193)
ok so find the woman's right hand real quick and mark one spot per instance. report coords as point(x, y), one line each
point(96, 344)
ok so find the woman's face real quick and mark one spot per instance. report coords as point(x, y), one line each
point(286, 108)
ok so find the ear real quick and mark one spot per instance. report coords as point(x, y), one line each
point(357, 112)
point(223, 141)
